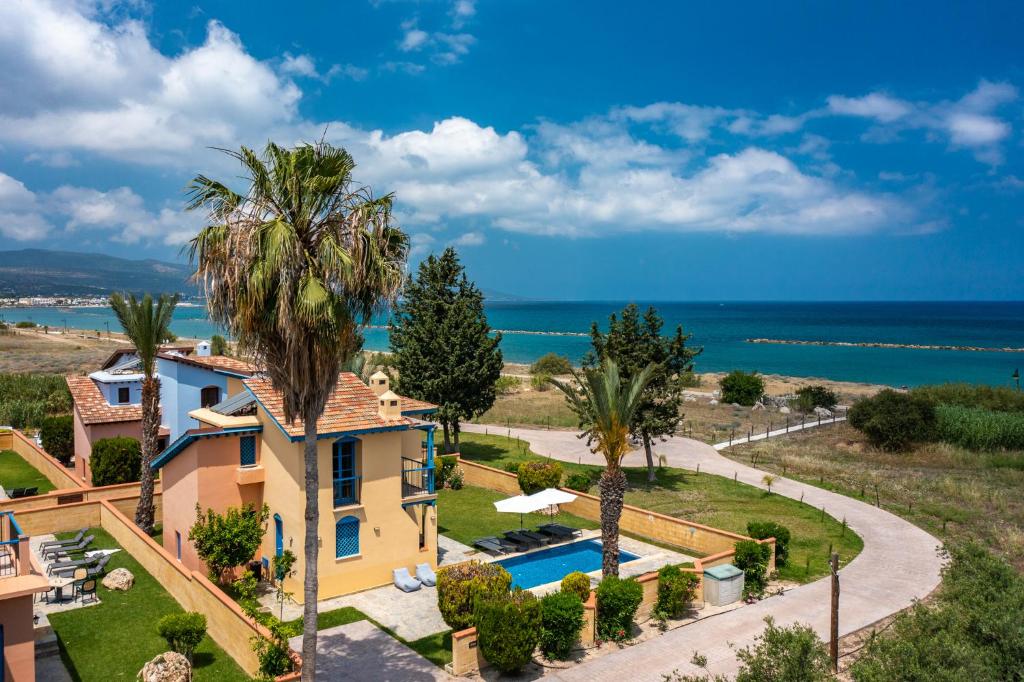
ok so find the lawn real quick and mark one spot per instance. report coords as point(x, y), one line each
point(703, 498)
point(114, 639)
point(953, 493)
point(15, 472)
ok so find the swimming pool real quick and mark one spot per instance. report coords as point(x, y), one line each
point(550, 565)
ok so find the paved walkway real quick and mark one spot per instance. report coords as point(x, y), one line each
point(360, 651)
point(899, 564)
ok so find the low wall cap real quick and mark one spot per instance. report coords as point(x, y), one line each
point(723, 572)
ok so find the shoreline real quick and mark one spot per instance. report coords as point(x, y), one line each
point(881, 344)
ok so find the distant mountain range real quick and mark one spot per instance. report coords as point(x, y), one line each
point(42, 272)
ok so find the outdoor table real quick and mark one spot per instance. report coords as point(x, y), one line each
point(59, 583)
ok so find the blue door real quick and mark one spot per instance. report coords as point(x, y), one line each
point(278, 535)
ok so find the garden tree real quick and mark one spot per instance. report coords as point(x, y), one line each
point(442, 344)
point(230, 539)
point(635, 343)
point(742, 388)
point(115, 460)
point(293, 269)
point(57, 434)
point(606, 405)
point(147, 325)
point(218, 345)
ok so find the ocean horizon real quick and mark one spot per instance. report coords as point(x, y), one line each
point(533, 328)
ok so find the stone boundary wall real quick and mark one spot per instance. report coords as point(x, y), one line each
point(48, 466)
point(227, 624)
point(74, 495)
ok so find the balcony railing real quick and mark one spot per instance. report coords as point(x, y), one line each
point(417, 478)
point(12, 543)
point(346, 490)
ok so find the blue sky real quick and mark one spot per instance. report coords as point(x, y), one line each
point(569, 150)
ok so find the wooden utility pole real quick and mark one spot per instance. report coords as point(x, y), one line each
point(833, 645)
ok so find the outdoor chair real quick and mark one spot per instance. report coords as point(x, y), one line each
point(542, 539)
point(45, 596)
point(61, 543)
point(490, 545)
point(560, 531)
point(68, 549)
point(15, 493)
point(65, 567)
point(99, 569)
point(521, 539)
point(426, 575)
point(404, 581)
point(29, 492)
point(86, 588)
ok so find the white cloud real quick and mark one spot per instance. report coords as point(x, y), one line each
point(21, 217)
point(53, 159)
point(413, 38)
point(876, 105)
point(462, 11)
point(409, 68)
point(304, 65)
point(469, 239)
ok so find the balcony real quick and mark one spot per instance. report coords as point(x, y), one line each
point(417, 478)
point(250, 475)
point(346, 490)
point(15, 558)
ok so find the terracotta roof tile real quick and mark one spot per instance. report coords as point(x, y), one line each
point(352, 407)
point(94, 408)
point(214, 362)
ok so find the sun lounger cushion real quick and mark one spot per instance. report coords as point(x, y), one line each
point(490, 545)
point(425, 575)
point(404, 581)
point(58, 543)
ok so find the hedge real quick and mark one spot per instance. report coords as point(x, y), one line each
point(762, 530)
point(115, 460)
point(459, 587)
point(537, 476)
point(508, 628)
point(561, 622)
point(58, 436)
point(617, 603)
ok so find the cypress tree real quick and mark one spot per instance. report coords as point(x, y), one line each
point(442, 344)
point(634, 342)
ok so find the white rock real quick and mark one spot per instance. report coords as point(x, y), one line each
point(119, 579)
point(167, 667)
point(822, 412)
point(784, 409)
point(712, 402)
point(757, 407)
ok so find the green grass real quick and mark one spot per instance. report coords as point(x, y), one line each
point(711, 500)
point(15, 472)
point(114, 639)
point(436, 648)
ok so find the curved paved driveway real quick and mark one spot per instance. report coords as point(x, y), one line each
point(899, 564)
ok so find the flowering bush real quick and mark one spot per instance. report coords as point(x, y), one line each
point(617, 602)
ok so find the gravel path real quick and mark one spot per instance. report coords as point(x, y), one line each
point(899, 564)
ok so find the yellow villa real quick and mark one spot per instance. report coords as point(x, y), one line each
point(376, 460)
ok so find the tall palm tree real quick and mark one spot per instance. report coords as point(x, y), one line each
point(147, 326)
point(606, 405)
point(294, 267)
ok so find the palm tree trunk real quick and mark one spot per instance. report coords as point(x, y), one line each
point(310, 551)
point(650, 458)
point(145, 511)
point(613, 489)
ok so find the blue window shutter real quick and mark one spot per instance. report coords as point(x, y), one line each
point(346, 537)
point(247, 450)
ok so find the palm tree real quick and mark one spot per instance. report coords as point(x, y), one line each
point(147, 326)
point(293, 269)
point(606, 405)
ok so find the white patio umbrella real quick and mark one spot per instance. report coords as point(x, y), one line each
point(524, 504)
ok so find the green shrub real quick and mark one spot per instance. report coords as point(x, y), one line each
point(997, 398)
point(561, 622)
point(976, 428)
point(458, 587)
point(25, 324)
point(541, 382)
point(456, 478)
point(272, 652)
point(508, 628)
point(676, 589)
point(617, 603)
point(27, 399)
point(230, 539)
point(183, 631)
point(752, 558)
point(577, 583)
point(506, 385)
point(579, 481)
point(448, 464)
point(535, 476)
point(218, 345)
point(742, 388)
point(551, 364)
point(894, 421)
point(810, 397)
point(115, 460)
point(762, 530)
point(689, 380)
point(58, 436)
point(785, 654)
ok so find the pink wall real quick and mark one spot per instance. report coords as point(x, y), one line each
point(19, 639)
point(205, 473)
point(86, 435)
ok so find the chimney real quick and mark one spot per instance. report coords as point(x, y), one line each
point(203, 349)
point(379, 383)
point(389, 405)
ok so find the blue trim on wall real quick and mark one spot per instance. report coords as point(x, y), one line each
point(186, 439)
point(432, 503)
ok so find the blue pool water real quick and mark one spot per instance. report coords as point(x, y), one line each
point(550, 565)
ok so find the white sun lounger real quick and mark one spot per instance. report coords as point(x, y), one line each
point(404, 581)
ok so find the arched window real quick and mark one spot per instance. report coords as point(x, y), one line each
point(209, 396)
point(346, 537)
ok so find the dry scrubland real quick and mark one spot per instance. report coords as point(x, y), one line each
point(53, 353)
point(953, 493)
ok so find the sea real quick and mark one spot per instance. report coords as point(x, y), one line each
point(533, 328)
